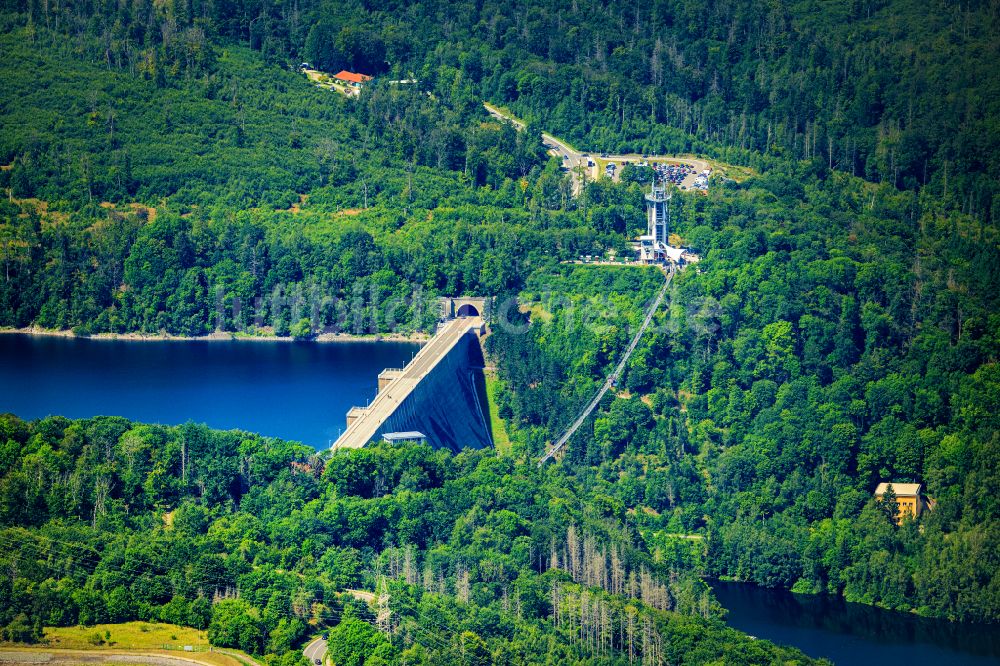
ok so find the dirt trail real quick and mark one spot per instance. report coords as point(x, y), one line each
point(149, 658)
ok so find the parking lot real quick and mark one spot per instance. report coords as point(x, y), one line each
point(673, 173)
point(686, 173)
point(683, 173)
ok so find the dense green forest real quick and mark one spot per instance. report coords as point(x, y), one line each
point(484, 559)
point(168, 169)
point(160, 105)
point(795, 369)
point(897, 91)
point(250, 185)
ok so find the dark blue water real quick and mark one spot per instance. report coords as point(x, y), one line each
point(294, 390)
point(855, 634)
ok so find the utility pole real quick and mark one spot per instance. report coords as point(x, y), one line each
point(383, 616)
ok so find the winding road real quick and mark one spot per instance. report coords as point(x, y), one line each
point(572, 160)
point(315, 650)
point(581, 164)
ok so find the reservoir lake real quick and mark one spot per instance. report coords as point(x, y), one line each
point(855, 634)
point(293, 390)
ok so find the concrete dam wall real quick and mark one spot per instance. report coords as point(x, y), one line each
point(435, 395)
point(444, 406)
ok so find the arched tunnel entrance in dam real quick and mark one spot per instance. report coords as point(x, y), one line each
point(464, 306)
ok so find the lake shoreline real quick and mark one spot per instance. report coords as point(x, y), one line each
point(217, 336)
point(296, 392)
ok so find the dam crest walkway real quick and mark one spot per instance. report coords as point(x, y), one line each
point(398, 405)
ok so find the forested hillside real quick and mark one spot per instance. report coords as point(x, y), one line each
point(897, 91)
point(169, 170)
point(249, 184)
point(836, 334)
point(487, 560)
point(158, 105)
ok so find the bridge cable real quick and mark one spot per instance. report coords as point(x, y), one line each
point(612, 378)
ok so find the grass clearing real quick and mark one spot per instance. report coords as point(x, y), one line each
point(126, 636)
point(501, 440)
point(24, 654)
point(537, 311)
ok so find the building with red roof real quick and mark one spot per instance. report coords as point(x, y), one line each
point(351, 78)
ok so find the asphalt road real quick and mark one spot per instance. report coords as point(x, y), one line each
point(315, 650)
point(576, 163)
point(571, 159)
